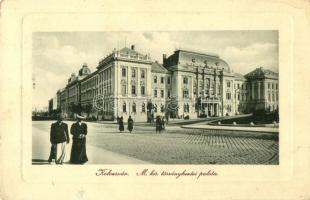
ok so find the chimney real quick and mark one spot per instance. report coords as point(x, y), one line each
point(132, 47)
point(164, 58)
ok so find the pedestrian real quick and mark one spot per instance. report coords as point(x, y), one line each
point(163, 123)
point(59, 137)
point(78, 150)
point(120, 124)
point(130, 124)
point(158, 124)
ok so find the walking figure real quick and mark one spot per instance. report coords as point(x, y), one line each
point(59, 136)
point(130, 124)
point(163, 123)
point(158, 124)
point(78, 150)
point(120, 124)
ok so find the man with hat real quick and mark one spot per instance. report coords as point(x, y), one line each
point(59, 136)
point(79, 132)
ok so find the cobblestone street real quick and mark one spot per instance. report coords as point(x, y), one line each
point(171, 147)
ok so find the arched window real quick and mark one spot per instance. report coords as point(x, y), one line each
point(143, 107)
point(124, 107)
point(134, 110)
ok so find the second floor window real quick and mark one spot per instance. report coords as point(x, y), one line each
point(142, 90)
point(162, 93)
point(155, 93)
point(123, 72)
point(185, 80)
point(155, 79)
point(142, 73)
point(162, 80)
point(133, 90)
point(168, 80)
point(185, 93)
point(228, 96)
point(228, 84)
point(133, 73)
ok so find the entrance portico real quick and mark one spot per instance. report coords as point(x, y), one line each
point(210, 108)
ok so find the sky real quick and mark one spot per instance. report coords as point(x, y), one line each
point(56, 55)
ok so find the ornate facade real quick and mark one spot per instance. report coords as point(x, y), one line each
point(186, 85)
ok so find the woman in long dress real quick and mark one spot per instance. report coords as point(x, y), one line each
point(121, 124)
point(130, 124)
point(158, 124)
point(78, 151)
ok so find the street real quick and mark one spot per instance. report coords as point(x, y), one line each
point(106, 145)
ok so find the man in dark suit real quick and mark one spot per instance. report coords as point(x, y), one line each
point(59, 136)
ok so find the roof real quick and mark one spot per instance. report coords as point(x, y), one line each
point(262, 73)
point(156, 67)
point(127, 50)
point(239, 76)
point(189, 58)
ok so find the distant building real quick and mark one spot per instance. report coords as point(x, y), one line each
point(186, 84)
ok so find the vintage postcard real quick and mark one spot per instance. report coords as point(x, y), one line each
point(127, 103)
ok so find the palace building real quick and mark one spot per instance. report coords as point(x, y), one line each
point(187, 84)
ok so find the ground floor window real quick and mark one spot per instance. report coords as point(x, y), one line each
point(134, 108)
point(143, 107)
point(124, 107)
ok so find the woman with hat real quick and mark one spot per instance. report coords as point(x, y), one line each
point(79, 132)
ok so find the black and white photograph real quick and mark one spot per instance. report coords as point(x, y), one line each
point(155, 97)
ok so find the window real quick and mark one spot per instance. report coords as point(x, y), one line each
point(168, 80)
point(155, 93)
point(162, 80)
point(162, 93)
point(155, 108)
point(155, 79)
point(123, 90)
point(228, 84)
point(162, 108)
point(228, 96)
point(277, 97)
point(185, 80)
point(142, 90)
point(168, 93)
point(269, 98)
point(186, 108)
point(134, 110)
point(133, 90)
point(273, 99)
point(272, 86)
point(123, 72)
point(133, 73)
point(185, 93)
point(238, 86)
point(124, 107)
point(238, 97)
point(268, 85)
point(143, 107)
point(142, 73)
point(276, 86)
